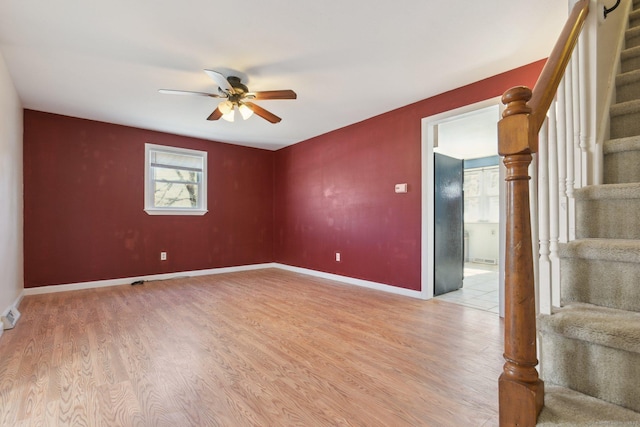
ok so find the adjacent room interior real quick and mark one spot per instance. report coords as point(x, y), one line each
point(467, 140)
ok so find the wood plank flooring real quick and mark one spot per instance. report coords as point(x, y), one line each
point(259, 348)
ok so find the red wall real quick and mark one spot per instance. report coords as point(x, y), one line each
point(335, 192)
point(83, 205)
point(84, 218)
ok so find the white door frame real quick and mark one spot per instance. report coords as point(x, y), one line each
point(429, 136)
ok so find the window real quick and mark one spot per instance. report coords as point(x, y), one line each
point(482, 195)
point(175, 181)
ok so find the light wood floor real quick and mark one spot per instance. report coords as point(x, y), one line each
point(261, 348)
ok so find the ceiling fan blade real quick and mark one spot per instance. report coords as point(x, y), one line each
point(273, 94)
point(187, 92)
point(268, 116)
point(215, 115)
point(220, 80)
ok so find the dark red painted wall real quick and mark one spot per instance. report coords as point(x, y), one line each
point(84, 218)
point(335, 192)
point(83, 212)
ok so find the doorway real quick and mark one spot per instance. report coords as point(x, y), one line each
point(469, 135)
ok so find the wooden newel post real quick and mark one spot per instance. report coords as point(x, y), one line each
point(521, 392)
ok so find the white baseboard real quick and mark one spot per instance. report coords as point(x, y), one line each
point(353, 281)
point(165, 276)
point(129, 280)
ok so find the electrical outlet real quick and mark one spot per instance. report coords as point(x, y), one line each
point(163, 256)
point(337, 256)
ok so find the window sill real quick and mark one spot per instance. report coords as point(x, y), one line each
point(192, 212)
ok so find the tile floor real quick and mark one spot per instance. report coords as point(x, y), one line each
point(479, 289)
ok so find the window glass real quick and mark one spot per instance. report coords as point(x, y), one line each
point(175, 181)
point(481, 195)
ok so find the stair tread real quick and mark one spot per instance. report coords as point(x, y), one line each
point(629, 53)
point(625, 107)
point(632, 32)
point(569, 408)
point(628, 77)
point(630, 143)
point(608, 191)
point(609, 327)
point(621, 250)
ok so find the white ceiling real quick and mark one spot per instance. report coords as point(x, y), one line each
point(347, 60)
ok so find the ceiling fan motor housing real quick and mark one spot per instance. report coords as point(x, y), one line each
point(237, 84)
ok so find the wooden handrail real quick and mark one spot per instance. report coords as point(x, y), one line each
point(549, 80)
point(521, 391)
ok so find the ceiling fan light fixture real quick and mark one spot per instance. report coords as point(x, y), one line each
point(227, 110)
point(229, 116)
point(225, 107)
point(245, 111)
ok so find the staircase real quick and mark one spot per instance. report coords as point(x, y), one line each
point(591, 345)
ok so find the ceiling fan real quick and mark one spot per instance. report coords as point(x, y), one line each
point(237, 97)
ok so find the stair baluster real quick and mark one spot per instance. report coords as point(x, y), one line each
point(554, 206)
point(544, 236)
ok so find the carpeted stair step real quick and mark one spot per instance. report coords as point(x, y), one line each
point(608, 211)
point(634, 18)
point(603, 272)
point(622, 160)
point(628, 85)
point(625, 119)
point(632, 37)
point(593, 350)
point(568, 408)
point(630, 59)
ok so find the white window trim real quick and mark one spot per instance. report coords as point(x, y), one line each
point(148, 191)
